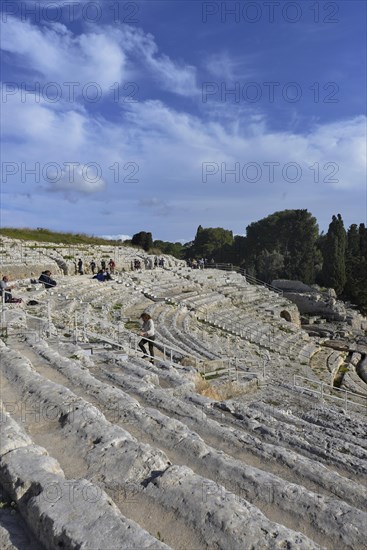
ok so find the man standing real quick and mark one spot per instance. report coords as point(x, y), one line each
point(80, 266)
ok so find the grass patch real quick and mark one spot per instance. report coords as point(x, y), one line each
point(215, 375)
point(48, 236)
point(287, 330)
point(132, 325)
point(338, 378)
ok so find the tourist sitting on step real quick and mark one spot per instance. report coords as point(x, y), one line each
point(45, 278)
point(107, 276)
point(148, 333)
point(99, 276)
point(5, 292)
point(103, 276)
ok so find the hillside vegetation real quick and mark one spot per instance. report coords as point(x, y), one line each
point(45, 235)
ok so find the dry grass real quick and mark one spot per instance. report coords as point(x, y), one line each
point(221, 392)
point(203, 387)
point(188, 361)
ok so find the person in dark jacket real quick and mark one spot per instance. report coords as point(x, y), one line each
point(100, 276)
point(45, 278)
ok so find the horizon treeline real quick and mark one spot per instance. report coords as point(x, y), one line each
point(284, 245)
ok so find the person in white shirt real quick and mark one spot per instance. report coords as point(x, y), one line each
point(5, 288)
point(147, 331)
point(5, 292)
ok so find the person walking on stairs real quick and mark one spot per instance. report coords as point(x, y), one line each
point(148, 333)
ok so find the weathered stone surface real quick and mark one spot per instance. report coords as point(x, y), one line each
point(288, 285)
point(65, 513)
point(113, 464)
point(223, 518)
point(11, 436)
point(98, 438)
point(253, 483)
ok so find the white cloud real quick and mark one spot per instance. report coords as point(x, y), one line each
point(173, 76)
point(86, 179)
point(98, 56)
point(117, 237)
point(229, 69)
point(58, 56)
point(170, 147)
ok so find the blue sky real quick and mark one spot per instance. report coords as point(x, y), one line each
point(162, 115)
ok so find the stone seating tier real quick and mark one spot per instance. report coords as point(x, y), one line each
point(167, 419)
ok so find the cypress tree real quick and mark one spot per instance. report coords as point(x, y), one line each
point(333, 271)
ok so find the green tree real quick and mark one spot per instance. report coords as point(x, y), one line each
point(270, 265)
point(291, 234)
point(212, 242)
point(142, 239)
point(363, 240)
point(239, 248)
point(334, 250)
point(355, 288)
point(174, 249)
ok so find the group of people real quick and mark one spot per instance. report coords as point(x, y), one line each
point(79, 266)
point(158, 262)
point(135, 265)
point(149, 263)
point(199, 264)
